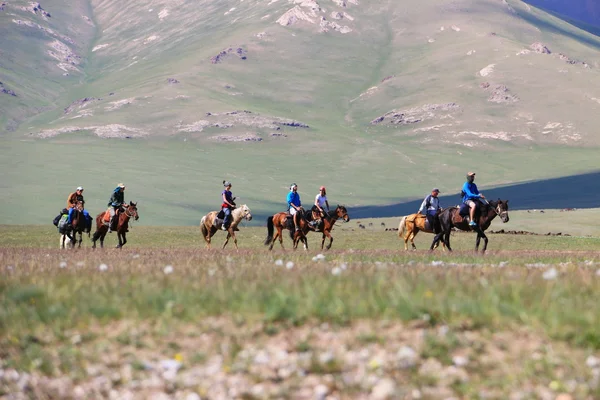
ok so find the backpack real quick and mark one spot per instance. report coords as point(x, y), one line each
point(63, 224)
point(56, 219)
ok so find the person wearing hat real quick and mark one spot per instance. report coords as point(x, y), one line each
point(116, 203)
point(294, 204)
point(471, 196)
point(75, 198)
point(317, 208)
point(430, 208)
point(227, 205)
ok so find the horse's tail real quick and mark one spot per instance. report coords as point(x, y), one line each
point(402, 227)
point(270, 230)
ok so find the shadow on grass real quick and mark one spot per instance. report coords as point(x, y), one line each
point(576, 191)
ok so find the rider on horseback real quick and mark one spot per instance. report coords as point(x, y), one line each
point(471, 196)
point(430, 207)
point(293, 202)
point(228, 204)
point(317, 209)
point(115, 204)
point(75, 197)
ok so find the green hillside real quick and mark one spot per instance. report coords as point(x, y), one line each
point(379, 101)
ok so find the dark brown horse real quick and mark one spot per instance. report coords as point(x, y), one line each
point(450, 218)
point(77, 226)
point(279, 222)
point(325, 226)
point(122, 226)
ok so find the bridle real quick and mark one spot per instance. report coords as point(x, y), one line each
point(130, 215)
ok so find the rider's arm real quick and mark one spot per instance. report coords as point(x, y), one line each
point(422, 209)
point(327, 204)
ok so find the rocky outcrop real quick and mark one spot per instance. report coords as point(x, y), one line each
point(326, 26)
point(36, 8)
point(569, 60)
point(7, 91)
point(233, 119)
point(293, 16)
point(416, 114)
point(540, 48)
point(499, 93)
point(111, 131)
point(79, 104)
point(240, 52)
point(172, 81)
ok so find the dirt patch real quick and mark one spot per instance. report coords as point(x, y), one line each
point(115, 105)
point(247, 137)
point(417, 114)
point(112, 131)
point(239, 118)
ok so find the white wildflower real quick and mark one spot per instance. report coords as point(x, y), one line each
point(336, 271)
point(460, 361)
point(319, 257)
point(598, 273)
point(343, 266)
point(135, 256)
point(102, 267)
point(279, 262)
point(63, 264)
point(437, 263)
point(289, 265)
point(550, 274)
point(503, 264)
point(592, 362)
point(80, 263)
point(168, 269)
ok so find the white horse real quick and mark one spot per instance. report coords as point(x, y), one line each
point(208, 227)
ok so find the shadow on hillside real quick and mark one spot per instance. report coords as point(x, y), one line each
point(577, 191)
point(545, 26)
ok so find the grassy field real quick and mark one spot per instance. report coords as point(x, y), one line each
point(357, 321)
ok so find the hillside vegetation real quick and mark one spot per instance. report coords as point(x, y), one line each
point(379, 100)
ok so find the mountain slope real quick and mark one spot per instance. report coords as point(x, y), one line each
point(378, 100)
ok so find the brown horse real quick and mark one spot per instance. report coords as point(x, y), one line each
point(209, 228)
point(279, 221)
point(451, 218)
point(124, 216)
point(410, 225)
point(325, 226)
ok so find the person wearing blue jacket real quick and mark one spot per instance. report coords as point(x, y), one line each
point(471, 196)
point(293, 203)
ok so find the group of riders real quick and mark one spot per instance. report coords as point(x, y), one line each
point(320, 208)
point(116, 204)
point(294, 206)
point(470, 198)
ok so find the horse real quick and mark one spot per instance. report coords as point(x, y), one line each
point(450, 218)
point(77, 226)
point(208, 227)
point(410, 225)
point(324, 227)
point(124, 216)
point(280, 221)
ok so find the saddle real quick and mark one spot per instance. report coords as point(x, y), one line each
point(106, 217)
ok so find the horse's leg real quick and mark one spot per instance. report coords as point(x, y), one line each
point(485, 242)
point(328, 234)
point(447, 239)
point(124, 238)
point(227, 239)
point(412, 238)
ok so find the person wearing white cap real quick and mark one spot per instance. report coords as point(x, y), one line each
point(75, 198)
point(294, 204)
point(471, 196)
point(116, 202)
point(430, 208)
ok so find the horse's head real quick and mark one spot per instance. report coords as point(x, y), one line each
point(132, 211)
point(342, 213)
point(246, 212)
point(502, 210)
